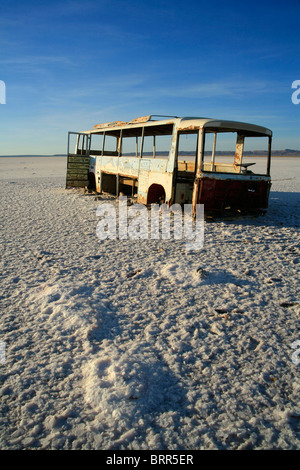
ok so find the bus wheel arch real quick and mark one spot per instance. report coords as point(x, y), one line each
point(156, 194)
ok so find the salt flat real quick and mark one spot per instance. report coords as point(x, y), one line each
point(119, 344)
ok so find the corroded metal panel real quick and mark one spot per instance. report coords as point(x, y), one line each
point(128, 166)
point(219, 194)
point(109, 124)
point(140, 119)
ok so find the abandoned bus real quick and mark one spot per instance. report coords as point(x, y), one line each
point(174, 160)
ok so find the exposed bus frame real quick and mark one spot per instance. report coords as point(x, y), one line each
point(217, 186)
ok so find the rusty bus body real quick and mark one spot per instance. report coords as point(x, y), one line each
point(166, 160)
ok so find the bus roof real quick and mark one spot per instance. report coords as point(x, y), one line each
point(185, 124)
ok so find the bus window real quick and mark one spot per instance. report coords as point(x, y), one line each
point(131, 146)
point(96, 144)
point(256, 154)
point(110, 145)
point(162, 146)
point(148, 145)
point(187, 151)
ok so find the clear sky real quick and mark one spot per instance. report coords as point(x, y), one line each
point(68, 65)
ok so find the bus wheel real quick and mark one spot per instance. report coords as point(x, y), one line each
point(156, 194)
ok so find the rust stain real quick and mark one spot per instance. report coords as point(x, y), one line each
point(140, 119)
point(110, 124)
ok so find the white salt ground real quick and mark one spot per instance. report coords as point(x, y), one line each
point(139, 345)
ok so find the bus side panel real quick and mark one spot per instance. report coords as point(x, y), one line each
point(129, 166)
point(154, 172)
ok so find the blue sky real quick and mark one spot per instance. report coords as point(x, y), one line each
point(68, 65)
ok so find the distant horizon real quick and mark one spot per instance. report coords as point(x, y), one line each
point(254, 153)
